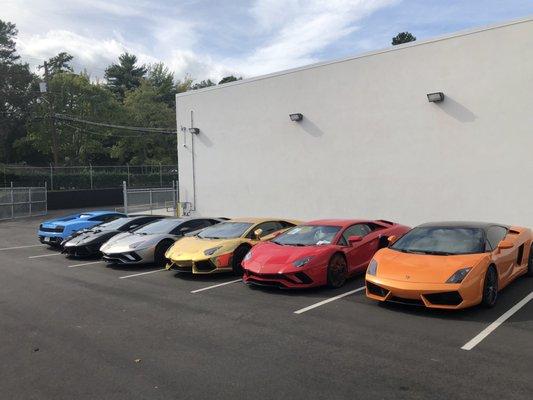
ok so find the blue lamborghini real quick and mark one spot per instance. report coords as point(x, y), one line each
point(54, 231)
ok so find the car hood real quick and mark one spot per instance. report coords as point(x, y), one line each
point(121, 243)
point(89, 236)
point(422, 268)
point(192, 248)
point(273, 258)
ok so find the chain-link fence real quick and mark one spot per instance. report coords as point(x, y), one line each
point(89, 176)
point(16, 202)
point(158, 200)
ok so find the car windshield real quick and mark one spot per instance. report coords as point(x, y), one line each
point(442, 241)
point(308, 235)
point(225, 230)
point(161, 226)
point(114, 224)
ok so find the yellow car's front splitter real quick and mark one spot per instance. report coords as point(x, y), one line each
point(212, 265)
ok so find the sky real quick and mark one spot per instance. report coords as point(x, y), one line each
point(211, 39)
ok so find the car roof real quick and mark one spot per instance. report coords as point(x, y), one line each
point(461, 224)
point(338, 222)
point(98, 212)
point(254, 220)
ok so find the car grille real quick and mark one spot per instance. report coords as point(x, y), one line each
point(401, 300)
point(444, 298)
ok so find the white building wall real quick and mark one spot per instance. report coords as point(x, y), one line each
point(370, 144)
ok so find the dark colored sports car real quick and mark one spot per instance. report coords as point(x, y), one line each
point(88, 242)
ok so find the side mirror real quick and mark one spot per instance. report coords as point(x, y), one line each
point(257, 233)
point(277, 233)
point(391, 239)
point(354, 239)
point(184, 230)
point(505, 244)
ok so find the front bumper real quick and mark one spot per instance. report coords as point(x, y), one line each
point(81, 251)
point(430, 295)
point(202, 266)
point(295, 280)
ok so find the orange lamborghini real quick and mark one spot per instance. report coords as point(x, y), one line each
point(450, 264)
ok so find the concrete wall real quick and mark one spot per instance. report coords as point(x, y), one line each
point(370, 144)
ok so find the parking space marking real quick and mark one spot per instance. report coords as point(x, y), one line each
point(46, 255)
point(321, 303)
point(23, 247)
point(215, 286)
point(489, 329)
point(142, 273)
point(82, 264)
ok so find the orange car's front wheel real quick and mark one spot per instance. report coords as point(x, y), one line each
point(490, 288)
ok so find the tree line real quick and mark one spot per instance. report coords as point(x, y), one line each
point(131, 94)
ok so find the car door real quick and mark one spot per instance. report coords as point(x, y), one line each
point(505, 258)
point(360, 254)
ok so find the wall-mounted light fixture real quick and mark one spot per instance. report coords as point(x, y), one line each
point(436, 97)
point(296, 117)
point(194, 131)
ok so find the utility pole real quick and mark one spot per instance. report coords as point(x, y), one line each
point(51, 120)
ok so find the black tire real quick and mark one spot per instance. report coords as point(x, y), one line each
point(530, 263)
point(337, 271)
point(490, 288)
point(159, 253)
point(236, 260)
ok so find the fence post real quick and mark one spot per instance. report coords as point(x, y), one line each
point(125, 196)
point(151, 212)
point(12, 202)
point(51, 177)
point(128, 169)
point(91, 174)
point(160, 176)
point(29, 201)
point(174, 199)
point(45, 197)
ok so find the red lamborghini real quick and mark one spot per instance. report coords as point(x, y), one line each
point(324, 252)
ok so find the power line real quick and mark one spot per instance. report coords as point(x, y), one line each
point(101, 134)
point(129, 128)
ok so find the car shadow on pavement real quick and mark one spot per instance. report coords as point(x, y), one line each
point(205, 278)
point(132, 268)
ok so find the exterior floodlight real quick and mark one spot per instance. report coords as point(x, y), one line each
point(194, 131)
point(296, 117)
point(435, 97)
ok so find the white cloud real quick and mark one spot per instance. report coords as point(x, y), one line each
point(312, 26)
point(283, 33)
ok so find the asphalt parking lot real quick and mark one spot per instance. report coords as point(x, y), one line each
point(82, 329)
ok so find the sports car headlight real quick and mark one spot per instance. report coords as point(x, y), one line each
point(372, 268)
point(459, 275)
point(212, 250)
point(302, 261)
point(136, 244)
point(248, 255)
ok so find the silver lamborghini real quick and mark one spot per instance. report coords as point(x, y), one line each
point(149, 243)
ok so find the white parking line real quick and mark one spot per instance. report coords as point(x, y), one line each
point(215, 286)
point(489, 329)
point(142, 273)
point(23, 247)
point(46, 255)
point(321, 303)
point(82, 264)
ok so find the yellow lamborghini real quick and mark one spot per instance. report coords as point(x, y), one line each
point(223, 246)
